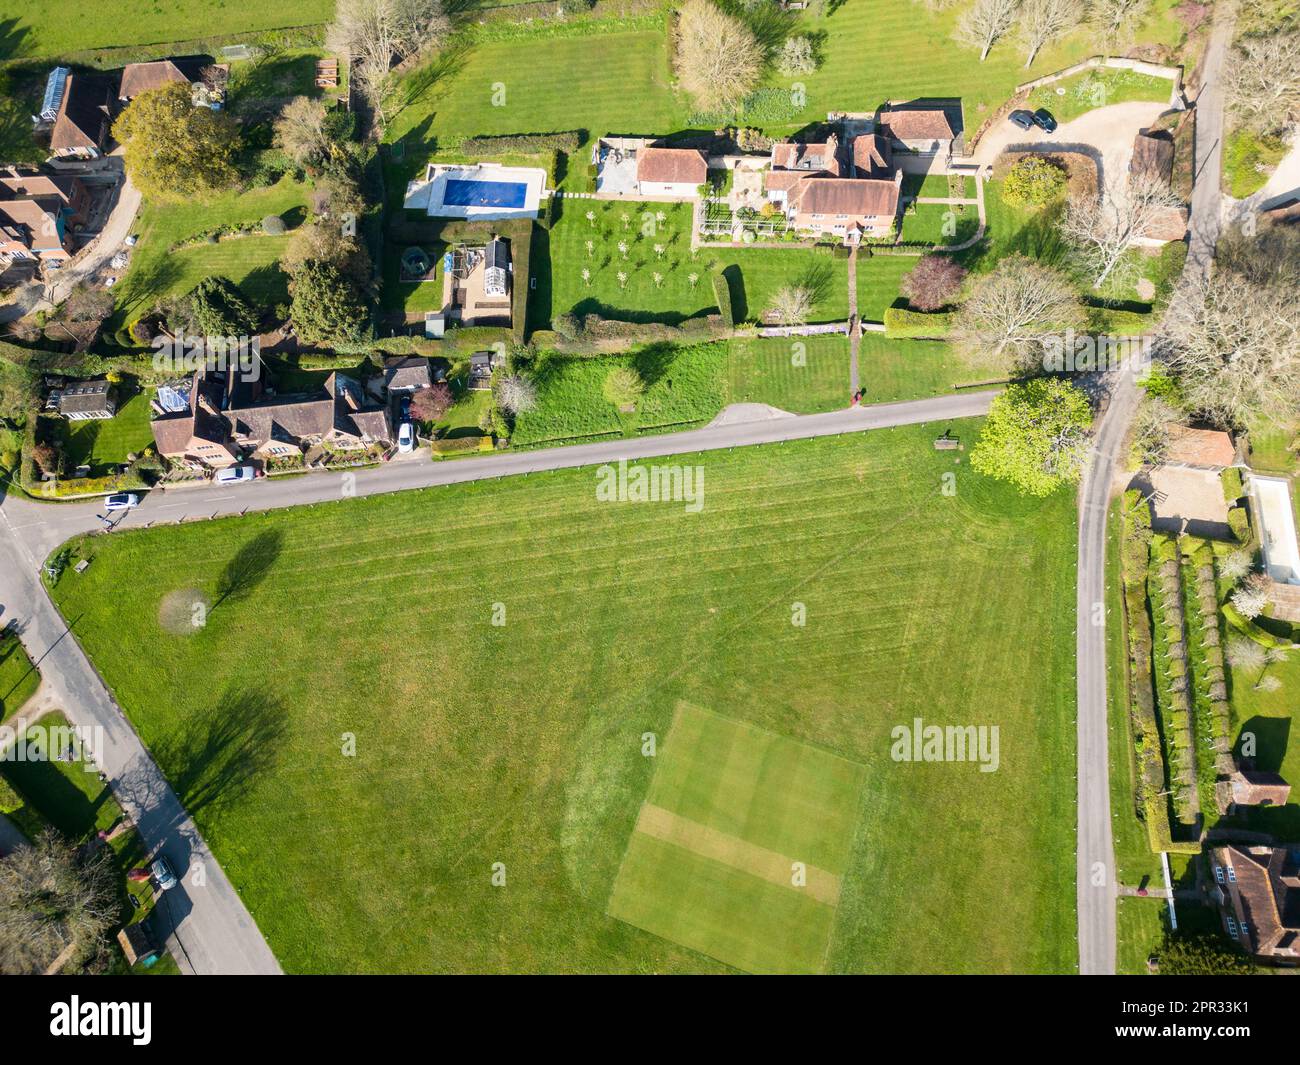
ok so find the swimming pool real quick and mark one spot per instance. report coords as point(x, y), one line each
point(461, 192)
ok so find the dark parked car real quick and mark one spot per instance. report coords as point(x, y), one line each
point(1043, 120)
point(1021, 118)
point(406, 408)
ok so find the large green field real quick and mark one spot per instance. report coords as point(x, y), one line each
point(396, 783)
point(58, 27)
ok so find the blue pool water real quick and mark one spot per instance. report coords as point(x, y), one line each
point(462, 193)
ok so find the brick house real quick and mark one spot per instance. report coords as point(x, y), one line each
point(233, 414)
point(670, 171)
point(37, 212)
point(1257, 890)
point(832, 190)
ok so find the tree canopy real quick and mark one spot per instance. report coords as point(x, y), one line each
point(174, 150)
point(1035, 436)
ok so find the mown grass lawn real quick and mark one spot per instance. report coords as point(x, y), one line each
point(641, 228)
point(18, 677)
point(57, 27)
point(107, 442)
point(683, 387)
point(805, 375)
point(1098, 88)
point(160, 266)
point(932, 64)
point(561, 79)
point(521, 743)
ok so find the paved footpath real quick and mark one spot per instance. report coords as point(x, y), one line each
point(211, 930)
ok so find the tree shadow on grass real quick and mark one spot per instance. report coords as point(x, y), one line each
point(818, 279)
point(249, 567)
point(214, 757)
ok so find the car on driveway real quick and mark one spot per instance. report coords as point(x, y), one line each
point(406, 408)
point(236, 474)
point(122, 501)
point(161, 871)
point(406, 438)
point(1021, 118)
point(1043, 120)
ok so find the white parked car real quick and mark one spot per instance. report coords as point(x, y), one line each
point(122, 501)
point(109, 282)
point(131, 240)
point(236, 474)
point(406, 438)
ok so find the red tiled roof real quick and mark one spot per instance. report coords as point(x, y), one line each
point(906, 125)
point(1200, 447)
point(671, 166)
point(869, 197)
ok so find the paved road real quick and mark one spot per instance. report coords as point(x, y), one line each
point(210, 930)
point(213, 931)
point(1095, 854)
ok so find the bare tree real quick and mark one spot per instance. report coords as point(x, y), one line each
point(718, 58)
point(1235, 348)
point(792, 304)
point(1262, 82)
point(1236, 566)
point(516, 394)
point(1245, 654)
point(1010, 311)
point(1104, 228)
point(300, 130)
point(1043, 21)
point(1151, 430)
point(1251, 599)
point(983, 23)
point(381, 33)
point(933, 282)
point(50, 900)
point(1116, 20)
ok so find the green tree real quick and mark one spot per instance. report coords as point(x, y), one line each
point(174, 150)
point(219, 309)
point(1201, 955)
point(623, 386)
point(1035, 436)
point(327, 308)
point(1033, 182)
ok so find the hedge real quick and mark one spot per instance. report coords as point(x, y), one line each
point(521, 249)
point(460, 444)
point(1248, 628)
point(524, 143)
point(904, 324)
point(722, 294)
point(1239, 523)
point(1233, 489)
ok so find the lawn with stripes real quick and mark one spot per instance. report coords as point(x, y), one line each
point(361, 745)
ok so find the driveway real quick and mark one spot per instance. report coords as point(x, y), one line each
point(1104, 134)
point(93, 258)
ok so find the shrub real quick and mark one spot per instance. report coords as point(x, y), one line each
point(273, 225)
point(10, 800)
point(1033, 182)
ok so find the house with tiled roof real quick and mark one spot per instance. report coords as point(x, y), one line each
point(920, 129)
point(670, 171)
point(1199, 449)
point(232, 413)
point(830, 189)
point(1257, 891)
point(141, 77)
point(82, 122)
